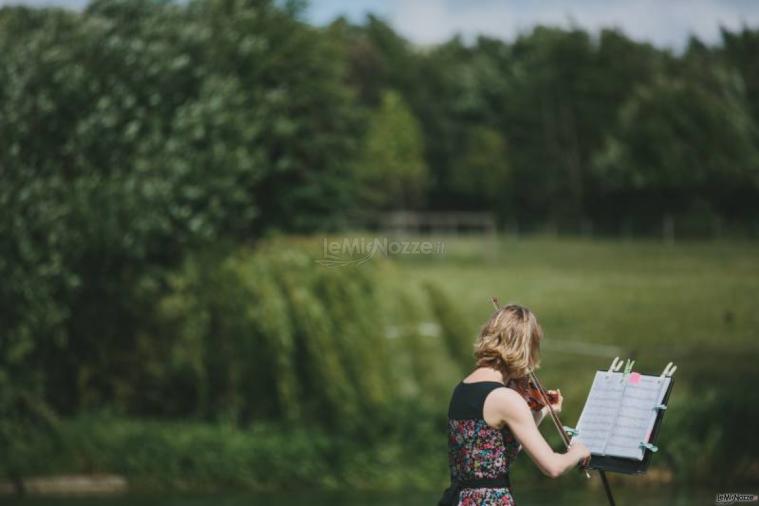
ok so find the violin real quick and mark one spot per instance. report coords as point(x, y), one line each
point(527, 388)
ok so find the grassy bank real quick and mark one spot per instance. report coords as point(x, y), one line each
point(196, 456)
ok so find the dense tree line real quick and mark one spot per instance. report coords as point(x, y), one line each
point(565, 128)
point(234, 118)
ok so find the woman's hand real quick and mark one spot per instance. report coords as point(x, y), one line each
point(557, 400)
point(580, 451)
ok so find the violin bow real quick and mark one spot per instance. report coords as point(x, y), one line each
point(554, 417)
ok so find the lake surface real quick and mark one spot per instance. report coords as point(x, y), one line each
point(586, 496)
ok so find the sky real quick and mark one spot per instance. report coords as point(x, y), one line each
point(665, 23)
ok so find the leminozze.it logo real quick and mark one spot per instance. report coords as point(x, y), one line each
point(358, 250)
point(734, 497)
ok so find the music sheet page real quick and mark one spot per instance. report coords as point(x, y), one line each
point(620, 413)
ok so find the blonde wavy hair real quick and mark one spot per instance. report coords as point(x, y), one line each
point(510, 342)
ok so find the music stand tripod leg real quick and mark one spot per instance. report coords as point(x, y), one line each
point(607, 488)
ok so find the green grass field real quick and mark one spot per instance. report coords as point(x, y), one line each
point(631, 294)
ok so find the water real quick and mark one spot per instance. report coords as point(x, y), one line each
point(583, 495)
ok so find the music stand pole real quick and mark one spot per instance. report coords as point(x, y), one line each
point(607, 488)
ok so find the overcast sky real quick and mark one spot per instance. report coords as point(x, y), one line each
point(666, 23)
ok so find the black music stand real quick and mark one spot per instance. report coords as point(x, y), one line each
point(603, 463)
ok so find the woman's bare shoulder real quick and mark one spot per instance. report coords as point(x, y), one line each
point(507, 395)
point(506, 402)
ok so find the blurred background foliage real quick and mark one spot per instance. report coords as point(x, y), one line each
point(153, 156)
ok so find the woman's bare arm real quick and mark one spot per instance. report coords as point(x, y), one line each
point(504, 406)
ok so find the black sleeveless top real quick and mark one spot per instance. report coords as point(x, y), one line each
point(477, 451)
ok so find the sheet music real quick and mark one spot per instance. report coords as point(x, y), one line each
point(620, 413)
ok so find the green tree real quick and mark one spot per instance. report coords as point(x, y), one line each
point(483, 173)
point(678, 144)
point(739, 50)
point(134, 132)
point(392, 167)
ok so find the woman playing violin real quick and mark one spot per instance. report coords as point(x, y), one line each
point(495, 411)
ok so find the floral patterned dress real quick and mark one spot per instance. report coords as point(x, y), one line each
point(477, 451)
